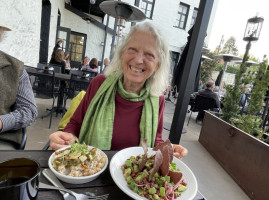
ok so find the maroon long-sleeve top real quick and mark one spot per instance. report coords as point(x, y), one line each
point(126, 132)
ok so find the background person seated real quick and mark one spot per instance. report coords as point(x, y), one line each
point(201, 85)
point(56, 47)
point(59, 60)
point(67, 60)
point(85, 65)
point(106, 63)
point(208, 92)
point(93, 65)
point(244, 101)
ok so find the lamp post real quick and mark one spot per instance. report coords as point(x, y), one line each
point(252, 33)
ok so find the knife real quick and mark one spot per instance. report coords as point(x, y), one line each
point(54, 180)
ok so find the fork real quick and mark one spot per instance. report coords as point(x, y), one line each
point(76, 195)
point(67, 196)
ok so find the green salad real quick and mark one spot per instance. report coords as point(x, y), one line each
point(154, 187)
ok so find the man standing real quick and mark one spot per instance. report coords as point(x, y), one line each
point(17, 104)
point(208, 92)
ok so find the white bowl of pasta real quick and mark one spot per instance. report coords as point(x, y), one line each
point(78, 163)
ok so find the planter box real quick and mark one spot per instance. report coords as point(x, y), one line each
point(245, 158)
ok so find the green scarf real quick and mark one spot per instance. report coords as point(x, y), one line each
point(97, 126)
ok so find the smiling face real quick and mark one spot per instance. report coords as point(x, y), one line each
point(140, 60)
point(86, 60)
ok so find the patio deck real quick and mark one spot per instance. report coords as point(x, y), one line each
point(213, 182)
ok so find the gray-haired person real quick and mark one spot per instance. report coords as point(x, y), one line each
point(125, 104)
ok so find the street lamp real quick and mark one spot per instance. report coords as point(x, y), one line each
point(252, 33)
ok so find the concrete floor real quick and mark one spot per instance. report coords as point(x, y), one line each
point(213, 182)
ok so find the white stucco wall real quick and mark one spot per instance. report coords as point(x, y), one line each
point(70, 20)
point(24, 18)
point(164, 16)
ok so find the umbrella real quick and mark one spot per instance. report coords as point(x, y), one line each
point(198, 73)
point(217, 82)
point(179, 68)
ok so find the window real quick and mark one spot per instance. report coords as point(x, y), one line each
point(194, 16)
point(147, 6)
point(183, 11)
point(77, 46)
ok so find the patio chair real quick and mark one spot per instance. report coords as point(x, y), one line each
point(91, 73)
point(78, 83)
point(43, 84)
point(201, 103)
point(16, 139)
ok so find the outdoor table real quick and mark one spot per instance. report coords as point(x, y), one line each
point(64, 79)
point(61, 78)
point(102, 185)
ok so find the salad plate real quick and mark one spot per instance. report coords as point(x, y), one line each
point(117, 175)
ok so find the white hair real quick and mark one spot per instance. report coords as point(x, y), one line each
point(159, 80)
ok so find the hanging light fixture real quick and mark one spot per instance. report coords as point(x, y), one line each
point(88, 19)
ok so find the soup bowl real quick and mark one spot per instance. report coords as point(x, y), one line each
point(78, 179)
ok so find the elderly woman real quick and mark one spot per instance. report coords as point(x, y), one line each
point(126, 104)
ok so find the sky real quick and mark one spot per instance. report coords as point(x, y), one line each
point(231, 20)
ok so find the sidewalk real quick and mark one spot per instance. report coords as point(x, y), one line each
point(213, 182)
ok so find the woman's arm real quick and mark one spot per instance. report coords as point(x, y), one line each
point(25, 111)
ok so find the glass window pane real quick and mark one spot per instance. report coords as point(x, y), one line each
point(73, 57)
point(77, 46)
point(80, 40)
point(180, 9)
point(143, 5)
point(79, 49)
point(74, 46)
point(63, 35)
point(146, 6)
point(78, 57)
point(72, 38)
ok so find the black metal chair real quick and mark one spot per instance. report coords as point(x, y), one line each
point(78, 83)
point(15, 138)
point(43, 84)
point(47, 145)
point(201, 103)
point(90, 74)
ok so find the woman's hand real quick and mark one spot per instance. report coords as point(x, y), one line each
point(179, 151)
point(61, 139)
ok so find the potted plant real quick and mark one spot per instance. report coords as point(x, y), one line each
point(231, 140)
